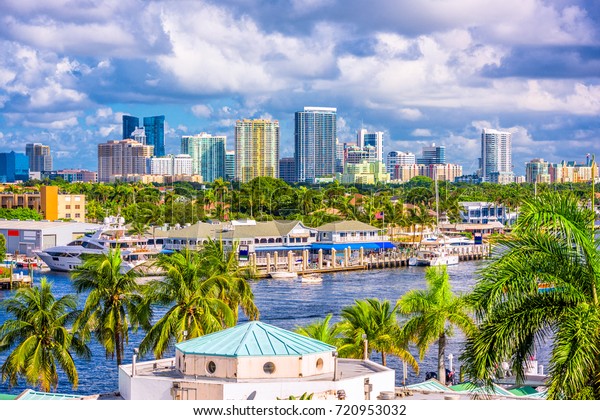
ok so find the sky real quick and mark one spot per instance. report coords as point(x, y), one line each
point(432, 71)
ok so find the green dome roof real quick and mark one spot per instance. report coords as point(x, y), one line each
point(253, 339)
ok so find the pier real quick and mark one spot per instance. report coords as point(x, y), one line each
point(15, 280)
point(348, 260)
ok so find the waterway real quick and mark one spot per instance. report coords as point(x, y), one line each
point(286, 304)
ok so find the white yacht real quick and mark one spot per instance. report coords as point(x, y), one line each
point(433, 257)
point(112, 234)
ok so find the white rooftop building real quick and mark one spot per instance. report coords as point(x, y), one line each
point(254, 361)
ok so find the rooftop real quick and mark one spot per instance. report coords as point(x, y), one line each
point(253, 339)
point(346, 226)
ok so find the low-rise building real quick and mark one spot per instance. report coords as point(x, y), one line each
point(254, 361)
point(48, 202)
point(24, 236)
point(484, 212)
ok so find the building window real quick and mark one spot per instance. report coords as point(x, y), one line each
point(77, 206)
point(68, 216)
point(68, 206)
point(211, 367)
point(77, 215)
point(319, 364)
point(269, 368)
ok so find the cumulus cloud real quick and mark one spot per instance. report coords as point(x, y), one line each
point(201, 110)
point(421, 132)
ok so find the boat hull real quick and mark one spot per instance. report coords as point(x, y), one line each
point(283, 275)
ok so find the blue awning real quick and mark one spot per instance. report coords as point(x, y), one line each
point(355, 246)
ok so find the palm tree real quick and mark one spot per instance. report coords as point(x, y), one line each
point(434, 314)
point(376, 321)
point(323, 331)
point(195, 306)
point(114, 302)
point(553, 242)
point(223, 264)
point(41, 338)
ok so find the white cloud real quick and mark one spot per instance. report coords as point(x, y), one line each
point(202, 111)
point(421, 132)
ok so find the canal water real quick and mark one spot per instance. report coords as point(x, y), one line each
point(286, 304)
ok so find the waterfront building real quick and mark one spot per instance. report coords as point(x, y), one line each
point(25, 236)
point(364, 172)
point(315, 150)
point(72, 175)
point(121, 158)
point(481, 212)
point(256, 149)
point(40, 159)
point(229, 165)
point(130, 123)
point(375, 139)
point(170, 165)
point(536, 171)
point(48, 202)
point(208, 155)
point(287, 169)
point(14, 167)
point(496, 156)
point(155, 133)
point(432, 155)
point(257, 361)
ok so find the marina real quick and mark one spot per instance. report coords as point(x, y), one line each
point(286, 304)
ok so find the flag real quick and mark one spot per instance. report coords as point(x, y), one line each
point(379, 215)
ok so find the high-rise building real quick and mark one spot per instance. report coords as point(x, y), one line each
point(170, 165)
point(355, 154)
point(537, 171)
point(396, 158)
point(432, 155)
point(287, 169)
point(375, 139)
point(155, 133)
point(118, 159)
point(208, 155)
point(14, 167)
point(256, 149)
point(40, 159)
point(339, 156)
point(496, 156)
point(130, 123)
point(139, 135)
point(229, 165)
point(315, 134)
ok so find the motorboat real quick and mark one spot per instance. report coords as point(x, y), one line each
point(111, 235)
point(311, 278)
point(433, 257)
point(283, 275)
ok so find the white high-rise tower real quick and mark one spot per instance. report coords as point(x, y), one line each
point(496, 156)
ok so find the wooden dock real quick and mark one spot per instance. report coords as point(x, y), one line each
point(17, 280)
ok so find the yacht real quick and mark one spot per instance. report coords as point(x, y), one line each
point(111, 235)
point(283, 275)
point(433, 257)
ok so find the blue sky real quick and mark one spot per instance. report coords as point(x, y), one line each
point(421, 72)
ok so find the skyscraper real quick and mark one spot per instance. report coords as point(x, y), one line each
point(155, 133)
point(315, 134)
point(375, 139)
point(208, 155)
point(229, 165)
point(121, 158)
point(14, 167)
point(256, 149)
point(130, 123)
point(287, 169)
point(496, 156)
point(432, 155)
point(537, 170)
point(40, 159)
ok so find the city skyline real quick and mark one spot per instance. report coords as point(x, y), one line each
point(433, 72)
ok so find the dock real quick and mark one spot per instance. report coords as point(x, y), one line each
point(348, 261)
point(15, 281)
